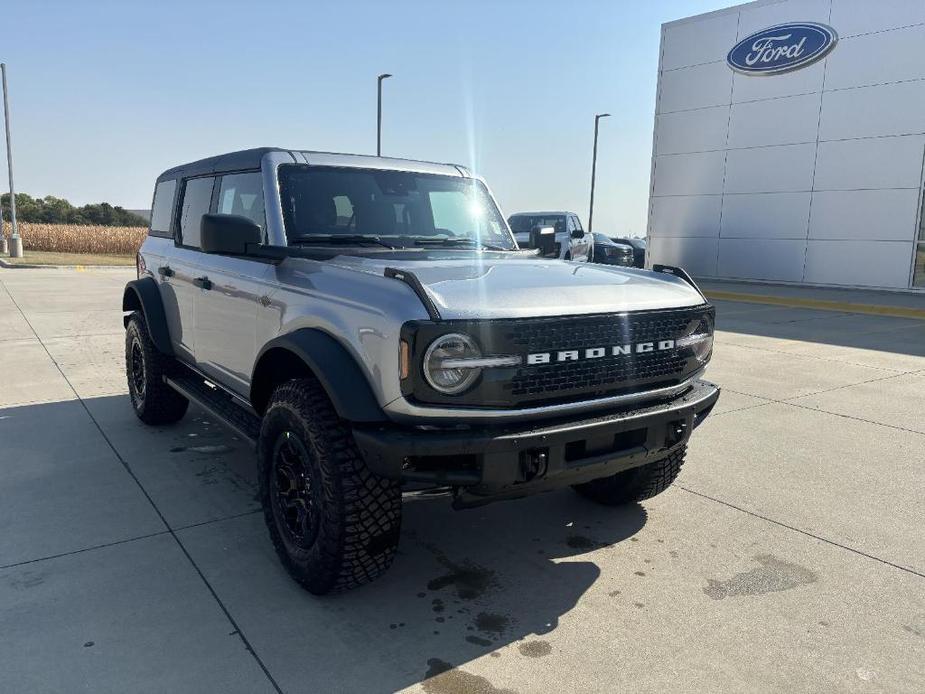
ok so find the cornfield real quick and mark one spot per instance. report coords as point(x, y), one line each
point(74, 238)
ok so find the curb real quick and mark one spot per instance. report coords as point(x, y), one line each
point(80, 268)
point(821, 304)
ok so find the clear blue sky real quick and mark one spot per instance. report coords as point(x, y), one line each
point(105, 95)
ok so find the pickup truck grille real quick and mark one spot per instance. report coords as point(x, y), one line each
point(572, 379)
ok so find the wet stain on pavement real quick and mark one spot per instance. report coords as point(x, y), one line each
point(917, 625)
point(470, 581)
point(26, 579)
point(443, 678)
point(580, 542)
point(490, 623)
point(535, 649)
point(774, 575)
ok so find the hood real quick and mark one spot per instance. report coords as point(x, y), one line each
point(492, 286)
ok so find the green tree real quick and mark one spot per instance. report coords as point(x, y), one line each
point(52, 210)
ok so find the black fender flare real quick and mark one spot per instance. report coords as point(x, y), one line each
point(143, 295)
point(329, 361)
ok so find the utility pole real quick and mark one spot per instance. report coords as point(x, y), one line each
point(594, 171)
point(15, 240)
point(381, 77)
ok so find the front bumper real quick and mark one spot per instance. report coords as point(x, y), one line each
point(515, 460)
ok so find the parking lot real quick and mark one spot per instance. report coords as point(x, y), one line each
point(790, 555)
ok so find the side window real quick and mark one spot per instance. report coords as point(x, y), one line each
point(571, 224)
point(242, 194)
point(197, 198)
point(162, 209)
point(344, 209)
point(577, 223)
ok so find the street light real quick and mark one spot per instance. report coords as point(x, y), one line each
point(15, 241)
point(594, 171)
point(381, 77)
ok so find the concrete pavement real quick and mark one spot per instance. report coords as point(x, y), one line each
point(789, 555)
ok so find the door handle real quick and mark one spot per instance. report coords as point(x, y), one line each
point(165, 271)
point(203, 283)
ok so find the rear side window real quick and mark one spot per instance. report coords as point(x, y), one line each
point(162, 209)
point(197, 199)
point(242, 194)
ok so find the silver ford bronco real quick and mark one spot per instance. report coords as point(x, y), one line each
point(370, 326)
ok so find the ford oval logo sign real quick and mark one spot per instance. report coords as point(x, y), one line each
point(782, 48)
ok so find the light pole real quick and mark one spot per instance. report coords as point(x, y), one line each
point(594, 171)
point(15, 241)
point(381, 77)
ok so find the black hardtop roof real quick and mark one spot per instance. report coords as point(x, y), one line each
point(233, 161)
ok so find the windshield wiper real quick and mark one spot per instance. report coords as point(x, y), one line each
point(343, 240)
point(459, 242)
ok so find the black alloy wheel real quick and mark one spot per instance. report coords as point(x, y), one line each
point(294, 495)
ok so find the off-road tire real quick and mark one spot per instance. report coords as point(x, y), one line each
point(358, 514)
point(635, 484)
point(153, 400)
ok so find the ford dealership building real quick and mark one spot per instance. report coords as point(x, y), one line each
point(789, 144)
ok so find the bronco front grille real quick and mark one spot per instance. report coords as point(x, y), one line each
point(597, 376)
point(563, 381)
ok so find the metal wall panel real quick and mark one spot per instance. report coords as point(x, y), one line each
point(890, 109)
point(683, 215)
point(881, 162)
point(761, 259)
point(689, 174)
point(756, 17)
point(788, 168)
point(692, 131)
point(805, 81)
point(865, 16)
point(876, 215)
point(696, 255)
point(897, 58)
point(766, 215)
point(859, 263)
point(695, 87)
point(784, 121)
point(697, 42)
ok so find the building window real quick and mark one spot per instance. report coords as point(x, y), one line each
point(918, 272)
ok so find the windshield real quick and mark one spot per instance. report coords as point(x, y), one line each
point(527, 222)
point(396, 208)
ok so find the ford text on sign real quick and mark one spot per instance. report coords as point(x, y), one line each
point(782, 48)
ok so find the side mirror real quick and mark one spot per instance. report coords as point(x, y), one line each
point(228, 234)
point(578, 234)
point(544, 239)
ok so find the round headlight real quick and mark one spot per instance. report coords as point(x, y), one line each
point(444, 363)
point(699, 337)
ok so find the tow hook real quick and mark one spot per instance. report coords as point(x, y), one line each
point(677, 431)
point(533, 463)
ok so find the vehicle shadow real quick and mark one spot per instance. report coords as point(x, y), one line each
point(465, 584)
point(853, 331)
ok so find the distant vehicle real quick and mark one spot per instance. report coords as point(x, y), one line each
point(607, 252)
point(572, 241)
point(639, 249)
